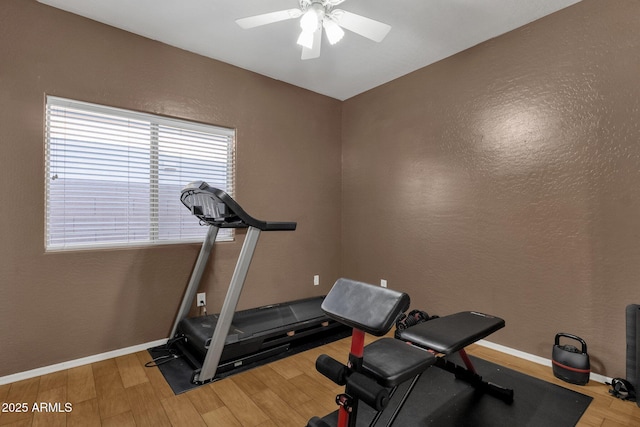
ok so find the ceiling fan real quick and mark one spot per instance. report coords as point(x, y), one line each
point(316, 15)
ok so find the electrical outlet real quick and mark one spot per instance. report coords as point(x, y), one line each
point(383, 283)
point(201, 299)
point(316, 280)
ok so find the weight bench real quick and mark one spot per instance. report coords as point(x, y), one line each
point(450, 334)
point(374, 372)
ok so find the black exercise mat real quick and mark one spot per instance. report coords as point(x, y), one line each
point(177, 371)
point(441, 400)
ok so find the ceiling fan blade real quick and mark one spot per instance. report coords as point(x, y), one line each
point(268, 18)
point(314, 52)
point(366, 27)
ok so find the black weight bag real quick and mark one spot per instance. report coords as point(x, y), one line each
point(569, 363)
point(414, 317)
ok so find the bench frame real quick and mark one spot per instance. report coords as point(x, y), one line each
point(437, 338)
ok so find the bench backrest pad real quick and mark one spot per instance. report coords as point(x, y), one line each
point(372, 309)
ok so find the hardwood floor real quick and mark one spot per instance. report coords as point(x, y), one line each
point(122, 392)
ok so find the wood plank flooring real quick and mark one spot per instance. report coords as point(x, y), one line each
point(121, 392)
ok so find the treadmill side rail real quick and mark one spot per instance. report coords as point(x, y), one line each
point(212, 359)
point(196, 275)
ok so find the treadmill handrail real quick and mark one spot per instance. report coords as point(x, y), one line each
point(236, 217)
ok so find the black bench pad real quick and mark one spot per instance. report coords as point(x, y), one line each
point(369, 308)
point(390, 361)
point(452, 333)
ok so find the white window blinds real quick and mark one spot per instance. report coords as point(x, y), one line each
point(113, 177)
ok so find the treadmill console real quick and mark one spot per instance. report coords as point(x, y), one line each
point(215, 207)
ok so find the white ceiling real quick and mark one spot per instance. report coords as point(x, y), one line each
point(423, 32)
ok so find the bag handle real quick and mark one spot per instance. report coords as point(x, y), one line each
point(573, 337)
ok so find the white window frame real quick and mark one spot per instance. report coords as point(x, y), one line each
point(170, 140)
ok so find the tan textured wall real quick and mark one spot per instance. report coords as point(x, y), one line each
point(502, 179)
point(506, 179)
point(58, 307)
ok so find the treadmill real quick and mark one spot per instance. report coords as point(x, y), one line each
point(217, 343)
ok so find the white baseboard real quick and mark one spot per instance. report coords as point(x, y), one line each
point(533, 358)
point(124, 351)
point(78, 362)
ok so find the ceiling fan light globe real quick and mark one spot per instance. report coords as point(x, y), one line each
point(333, 30)
point(306, 39)
point(309, 21)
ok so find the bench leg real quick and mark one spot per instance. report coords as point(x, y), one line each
point(469, 375)
point(467, 361)
point(348, 408)
point(403, 400)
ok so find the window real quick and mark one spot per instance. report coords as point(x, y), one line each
point(113, 177)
